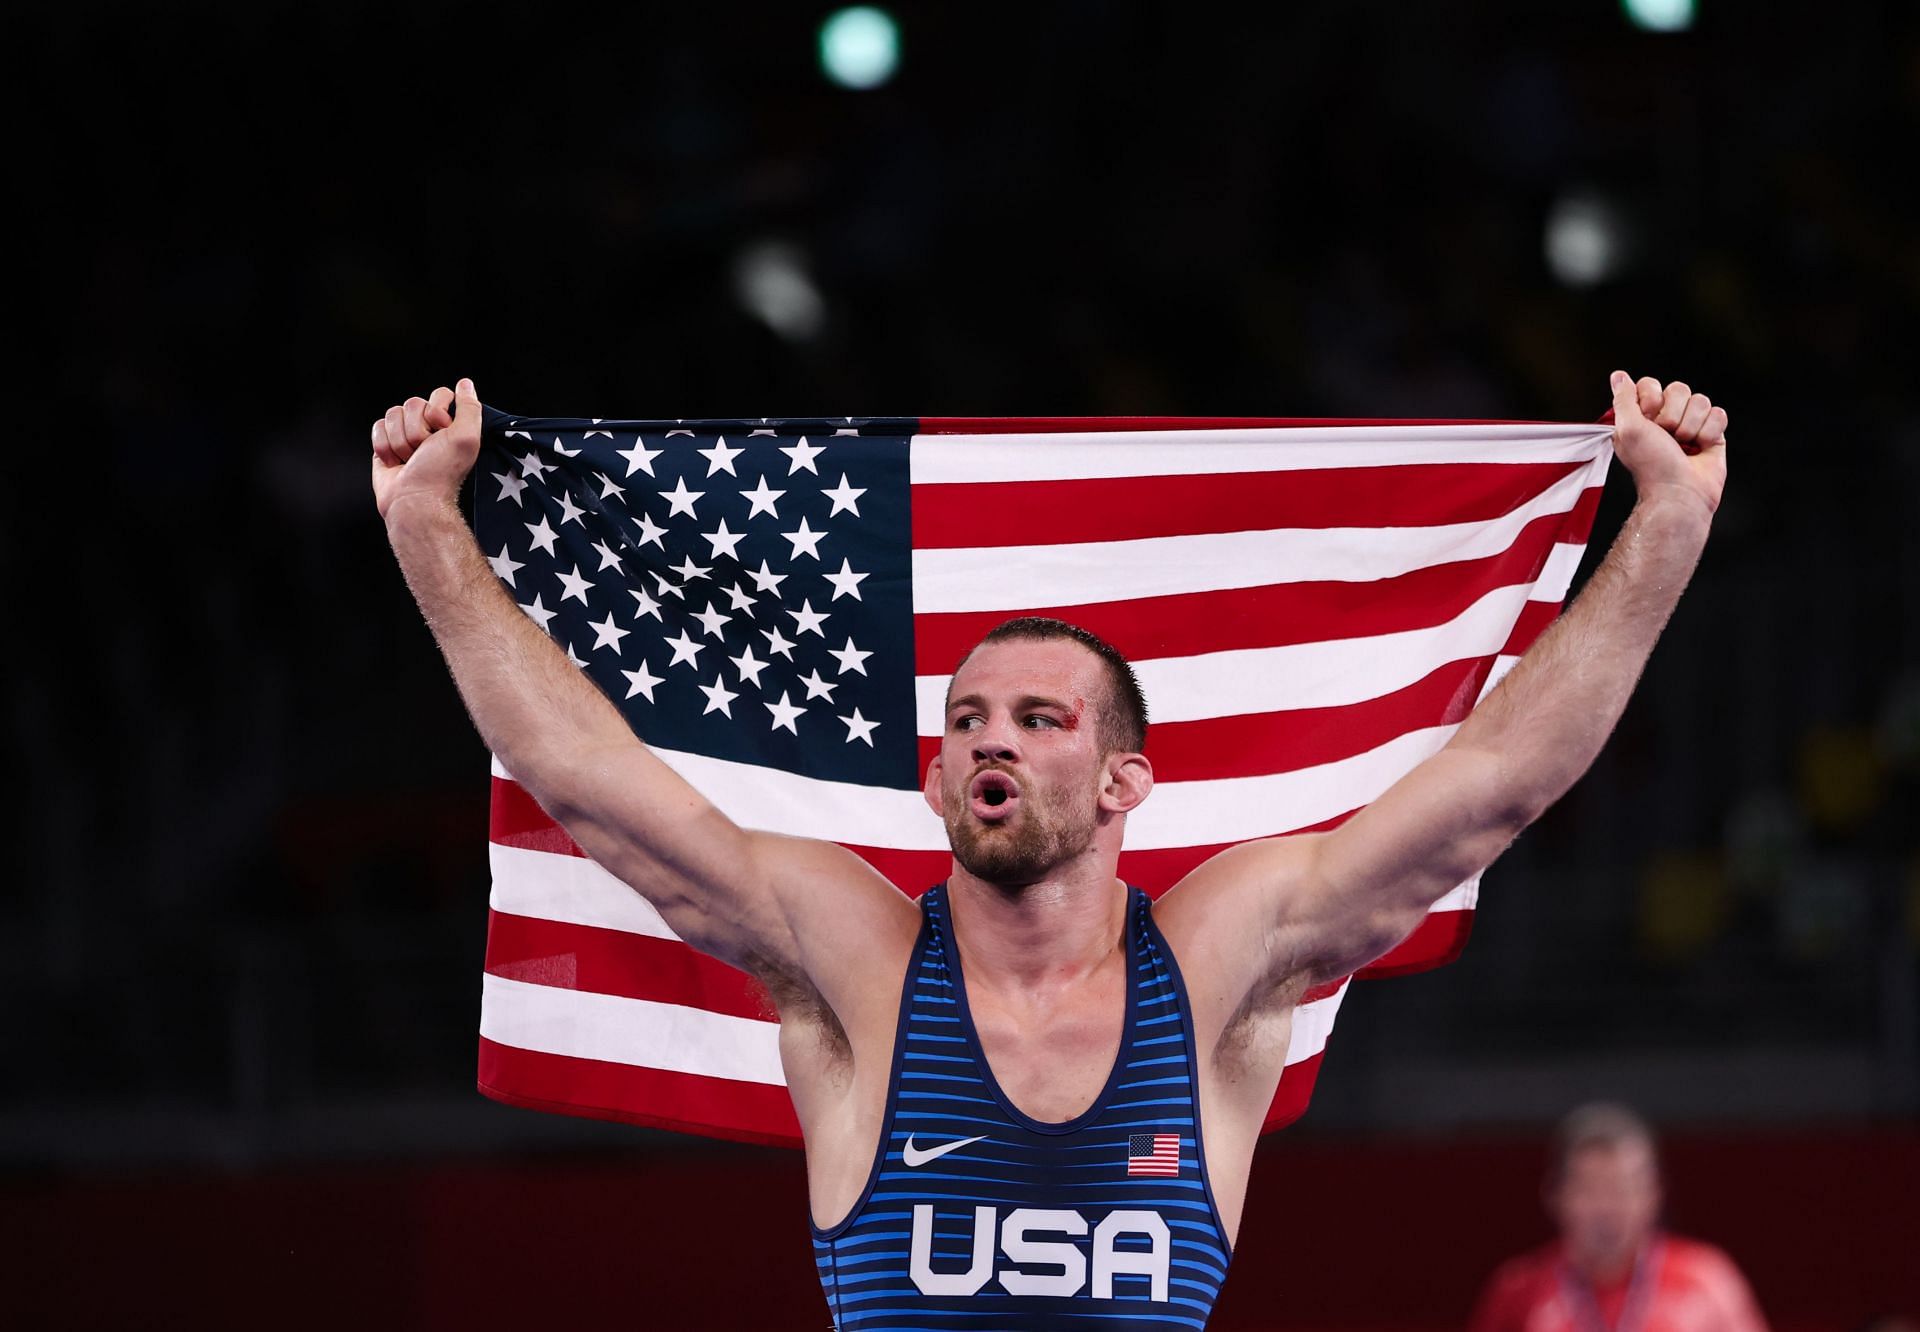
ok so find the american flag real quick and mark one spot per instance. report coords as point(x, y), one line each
point(1153, 1154)
point(1312, 607)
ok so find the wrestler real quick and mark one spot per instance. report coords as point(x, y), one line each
point(1030, 1100)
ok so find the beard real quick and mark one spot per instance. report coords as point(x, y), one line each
point(1046, 831)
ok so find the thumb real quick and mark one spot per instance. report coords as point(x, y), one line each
point(466, 402)
point(1626, 398)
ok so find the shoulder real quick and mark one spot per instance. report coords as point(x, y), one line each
point(1514, 1289)
point(1702, 1264)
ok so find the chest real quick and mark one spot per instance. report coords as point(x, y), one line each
point(1052, 1058)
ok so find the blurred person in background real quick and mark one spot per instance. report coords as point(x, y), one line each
point(1613, 1269)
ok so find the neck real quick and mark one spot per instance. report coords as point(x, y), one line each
point(1606, 1268)
point(1037, 937)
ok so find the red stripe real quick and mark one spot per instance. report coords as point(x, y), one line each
point(1019, 513)
point(1273, 615)
point(1435, 941)
point(1291, 1096)
point(1272, 742)
point(633, 966)
point(1048, 425)
point(1158, 870)
point(595, 1089)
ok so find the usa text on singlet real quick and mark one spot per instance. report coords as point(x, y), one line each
point(976, 1216)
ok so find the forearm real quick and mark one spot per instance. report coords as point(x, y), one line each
point(1544, 724)
point(533, 708)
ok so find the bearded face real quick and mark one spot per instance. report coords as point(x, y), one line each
point(1045, 826)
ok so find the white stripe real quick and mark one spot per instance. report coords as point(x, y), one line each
point(619, 1030)
point(1235, 809)
point(1313, 1023)
point(1177, 814)
point(1333, 673)
point(550, 886)
point(1011, 578)
point(1464, 897)
point(961, 459)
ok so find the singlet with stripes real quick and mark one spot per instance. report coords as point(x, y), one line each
point(976, 1216)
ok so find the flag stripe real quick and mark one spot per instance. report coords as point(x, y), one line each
point(1006, 577)
point(609, 1027)
point(1105, 508)
point(632, 966)
point(1543, 553)
point(1068, 455)
point(685, 1102)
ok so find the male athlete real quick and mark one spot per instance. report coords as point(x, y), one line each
point(1017, 1113)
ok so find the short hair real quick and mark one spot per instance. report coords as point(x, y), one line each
point(1597, 1124)
point(1123, 721)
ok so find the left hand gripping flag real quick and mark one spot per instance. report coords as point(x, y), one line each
point(1312, 608)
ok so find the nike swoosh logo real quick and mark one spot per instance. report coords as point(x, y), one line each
point(917, 1156)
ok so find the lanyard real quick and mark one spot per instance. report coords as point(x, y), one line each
point(1585, 1305)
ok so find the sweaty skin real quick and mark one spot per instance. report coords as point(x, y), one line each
point(1251, 929)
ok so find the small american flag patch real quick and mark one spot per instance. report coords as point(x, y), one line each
point(1153, 1154)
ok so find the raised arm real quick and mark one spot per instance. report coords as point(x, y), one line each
point(768, 904)
point(1330, 903)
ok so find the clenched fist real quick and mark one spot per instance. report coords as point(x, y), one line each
point(1670, 438)
point(424, 448)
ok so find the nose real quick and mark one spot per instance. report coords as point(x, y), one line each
point(996, 742)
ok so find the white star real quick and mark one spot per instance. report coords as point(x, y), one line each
point(766, 579)
point(846, 583)
point(802, 455)
point(724, 541)
point(777, 643)
point(680, 499)
point(591, 433)
point(808, 619)
point(688, 570)
point(576, 585)
point(607, 634)
point(519, 434)
point(647, 605)
point(639, 458)
point(609, 558)
point(543, 536)
point(574, 658)
point(672, 433)
point(740, 597)
point(649, 532)
point(712, 618)
point(609, 488)
point(566, 452)
point(850, 658)
point(641, 681)
point(859, 728)
point(719, 697)
point(533, 467)
point(684, 649)
point(762, 499)
point(843, 497)
point(510, 485)
point(816, 687)
point(807, 537)
point(784, 714)
point(669, 589)
point(749, 666)
point(504, 564)
point(537, 613)
point(720, 457)
point(568, 512)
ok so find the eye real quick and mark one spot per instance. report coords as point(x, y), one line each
point(965, 723)
point(1036, 720)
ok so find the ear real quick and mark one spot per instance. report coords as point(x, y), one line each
point(1129, 781)
point(932, 789)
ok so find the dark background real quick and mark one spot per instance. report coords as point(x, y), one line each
point(245, 936)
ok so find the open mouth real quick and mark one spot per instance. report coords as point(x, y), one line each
point(993, 795)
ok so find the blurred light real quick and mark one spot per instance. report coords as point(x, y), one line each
point(770, 280)
point(860, 47)
point(1659, 15)
point(1585, 240)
